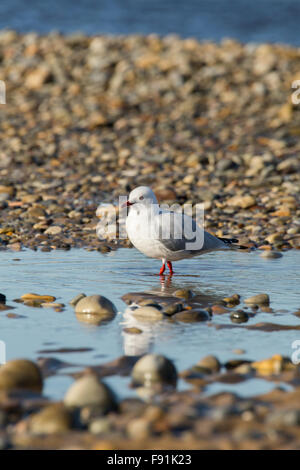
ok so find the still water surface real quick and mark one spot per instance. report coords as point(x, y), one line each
point(65, 274)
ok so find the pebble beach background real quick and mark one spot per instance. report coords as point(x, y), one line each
point(87, 118)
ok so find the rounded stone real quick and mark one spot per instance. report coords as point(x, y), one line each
point(170, 310)
point(154, 369)
point(89, 391)
point(21, 374)
point(259, 299)
point(133, 330)
point(38, 298)
point(54, 230)
point(239, 316)
point(147, 313)
point(100, 426)
point(270, 254)
point(149, 303)
point(96, 305)
point(54, 419)
point(139, 428)
point(209, 364)
point(76, 299)
point(191, 316)
point(183, 294)
point(219, 309)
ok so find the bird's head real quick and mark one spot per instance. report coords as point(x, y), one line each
point(141, 195)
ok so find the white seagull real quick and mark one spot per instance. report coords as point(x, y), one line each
point(166, 235)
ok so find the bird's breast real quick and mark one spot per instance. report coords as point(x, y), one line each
point(140, 233)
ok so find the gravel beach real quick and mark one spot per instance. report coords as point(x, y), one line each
point(89, 118)
point(86, 120)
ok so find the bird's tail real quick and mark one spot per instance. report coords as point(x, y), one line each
point(233, 243)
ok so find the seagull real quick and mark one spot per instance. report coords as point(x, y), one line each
point(167, 235)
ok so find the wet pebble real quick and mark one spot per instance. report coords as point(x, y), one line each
point(259, 299)
point(170, 310)
point(208, 365)
point(53, 419)
point(100, 425)
point(273, 365)
point(38, 298)
point(191, 316)
point(89, 391)
point(132, 330)
point(239, 316)
point(271, 254)
point(97, 305)
point(148, 313)
point(154, 369)
point(21, 374)
point(76, 299)
point(183, 293)
point(219, 310)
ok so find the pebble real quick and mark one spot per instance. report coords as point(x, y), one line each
point(208, 364)
point(271, 254)
point(54, 230)
point(133, 330)
point(191, 316)
point(55, 305)
point(139, 428)
point(274, 365)
point(239, 316)
point(233, 300)
point(259, 299)
point(219, 310)
point(96, 305)
point(241, 201)
point(21, 374)
point(284, 417)
point(89, 391)
point(170, 310)
point(76, 299)
point(183, 293)
point(148, 313)
point(100, 426)
point(53, 419)
point(154, 369)
point(239, 351)
point(38, 298)
point(149, 303)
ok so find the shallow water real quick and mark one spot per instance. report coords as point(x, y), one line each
point(64, 274)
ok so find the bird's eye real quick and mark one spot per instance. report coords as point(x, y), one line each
point(141, 198)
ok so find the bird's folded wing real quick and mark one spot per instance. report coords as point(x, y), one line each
point(176, 230)
point(179, 232)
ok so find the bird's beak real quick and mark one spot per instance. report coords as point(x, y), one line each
point(126, 204)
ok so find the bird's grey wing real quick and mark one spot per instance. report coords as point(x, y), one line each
point(179, 232)
point(176, 230)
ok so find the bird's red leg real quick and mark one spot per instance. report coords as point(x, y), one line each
point(162, 269)
point(169, 264)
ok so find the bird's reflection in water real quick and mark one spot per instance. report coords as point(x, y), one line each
point(138, 343)
point(165, 282)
